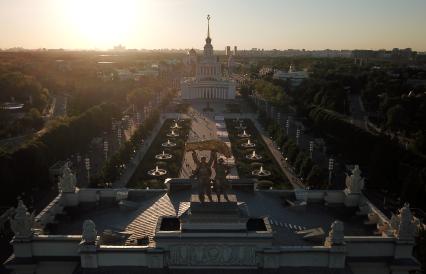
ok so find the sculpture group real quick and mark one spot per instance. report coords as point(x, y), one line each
point(203, 173)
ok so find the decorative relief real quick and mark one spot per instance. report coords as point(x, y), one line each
point(212, 255)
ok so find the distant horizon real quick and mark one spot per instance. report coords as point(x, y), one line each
point(182, 24)
point(197, 49)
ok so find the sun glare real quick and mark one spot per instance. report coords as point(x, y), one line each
point(103, 23)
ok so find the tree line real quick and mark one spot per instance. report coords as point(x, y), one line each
point(26, 169)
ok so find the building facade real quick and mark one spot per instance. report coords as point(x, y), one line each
point(208, 82)
point(296, 77)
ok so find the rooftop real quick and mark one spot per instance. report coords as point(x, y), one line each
point(138, 219)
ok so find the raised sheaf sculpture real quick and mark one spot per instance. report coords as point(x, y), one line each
point(22, 221)
point(336, 236)
point(212, 145)
point(404, 224)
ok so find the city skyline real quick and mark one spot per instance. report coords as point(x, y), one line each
point(307, 24)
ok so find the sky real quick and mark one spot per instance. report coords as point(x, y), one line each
point(267, 24)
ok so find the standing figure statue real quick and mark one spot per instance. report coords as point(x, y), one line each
point(221, 185)
point(204, 173)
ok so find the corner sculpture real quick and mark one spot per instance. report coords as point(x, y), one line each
point(89, 232)
point(68, 181)
point(22, 222)
point(203, 169)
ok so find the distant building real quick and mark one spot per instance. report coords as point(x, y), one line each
point(136, 75)
point(265, 71)
point(190, 62)
point(208, 82)
point(235, 51)
point(228, 50)
point(119, 48)
point(296, 77)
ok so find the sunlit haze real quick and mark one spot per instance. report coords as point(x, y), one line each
point(280, 24)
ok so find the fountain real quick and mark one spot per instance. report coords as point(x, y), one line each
point(241, 126)
point(168, 144)
point(244, 134)
point(163, 156)
point(249, 144)
point(172, 134)
point(157, 172)
point(253, 156)
point(175, 126)
point(261, 172)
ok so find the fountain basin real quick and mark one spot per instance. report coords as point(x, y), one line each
point(253, 156)
point(163, 156)
point(244, 134)
point(175, 126)
point(157, 172)
point(168, 144)
point(248, 144)
point(241, 126)
point(172, 134)
point(261, 172)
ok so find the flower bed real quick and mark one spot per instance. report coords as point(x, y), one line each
point(277, 179)
point(140, 178)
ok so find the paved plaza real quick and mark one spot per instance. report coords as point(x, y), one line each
point(205, 127)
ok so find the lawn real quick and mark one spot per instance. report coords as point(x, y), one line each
point(277, 179)
point(140, 178)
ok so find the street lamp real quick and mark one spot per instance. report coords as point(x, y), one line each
point(330, 169)
point(87, 164)
point(287, 125)
point(297, 136)
point(311, 148)
point(106, 149)
point(138, 118)
point(119, 136)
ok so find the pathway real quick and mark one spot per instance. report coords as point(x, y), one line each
point(204, 127)
point(295, 182)
point(140, 153)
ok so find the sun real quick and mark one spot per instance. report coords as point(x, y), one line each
point(103, 23)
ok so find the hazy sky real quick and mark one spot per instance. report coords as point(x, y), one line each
point(280, 24)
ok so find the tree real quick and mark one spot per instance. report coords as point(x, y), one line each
point(316, 177)
point(140, 96)
point(306, 167)
point(396, 117)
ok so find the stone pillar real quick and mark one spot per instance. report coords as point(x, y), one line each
point(155, 258)
point(336, 242)
point(67, 186)
point(354, 187)
point(21, 225)
point(88, 245)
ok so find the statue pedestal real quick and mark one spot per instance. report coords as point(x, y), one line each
point(214, 215)
point(351, 199)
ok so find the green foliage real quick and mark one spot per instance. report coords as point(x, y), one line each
point(140, 178)
point(26, 168)
point(245, 166)
point(21, 87)
point(140, 96)
point(317, 178)
point(272, 93)
point(396, 117)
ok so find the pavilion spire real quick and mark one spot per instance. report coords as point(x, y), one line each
point(208, 25)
